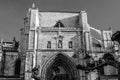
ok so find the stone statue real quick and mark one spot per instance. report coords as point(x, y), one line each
point(56, 70)
point(35, 73)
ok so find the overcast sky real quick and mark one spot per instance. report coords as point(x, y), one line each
point(101, 13)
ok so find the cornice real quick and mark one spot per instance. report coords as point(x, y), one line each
point(51, 50)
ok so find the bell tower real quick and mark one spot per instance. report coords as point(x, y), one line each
point(33, 16)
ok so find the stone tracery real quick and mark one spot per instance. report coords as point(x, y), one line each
point(61, 61)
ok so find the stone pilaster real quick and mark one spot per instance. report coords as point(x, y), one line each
point(28, 65)
point(1, 60)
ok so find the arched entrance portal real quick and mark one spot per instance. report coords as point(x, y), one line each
point(59, 67)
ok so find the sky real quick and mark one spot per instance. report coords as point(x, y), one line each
point(102, 14)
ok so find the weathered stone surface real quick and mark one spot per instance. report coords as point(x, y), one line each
point(36, 43)
point(48, 19)
point(28, 65)
point(42, 29)
point(9, 67)
point(110, 70)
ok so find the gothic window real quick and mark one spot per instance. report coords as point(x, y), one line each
point(60, 44)
point(49, 44)
point(70, 44)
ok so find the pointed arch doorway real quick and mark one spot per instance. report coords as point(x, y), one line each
point(59, 67)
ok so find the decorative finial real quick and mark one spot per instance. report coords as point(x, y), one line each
point(33, 5)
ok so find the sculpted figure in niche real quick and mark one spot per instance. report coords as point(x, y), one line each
point(60, 44)
point(56, 75)
point(35, 73)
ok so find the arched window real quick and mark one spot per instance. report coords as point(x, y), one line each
point(60, 44)
point(70, 44)
point(49, 44)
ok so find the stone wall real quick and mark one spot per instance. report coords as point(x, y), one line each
point(44, 37)
point(49, 19)
point(9, 63)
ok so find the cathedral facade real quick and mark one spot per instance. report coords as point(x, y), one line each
point(55, 41)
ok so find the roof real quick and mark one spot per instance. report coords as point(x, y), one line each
point(49, 19)
point(71, 21)
point(58, 11)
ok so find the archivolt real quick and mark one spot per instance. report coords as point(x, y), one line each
point(59, 59)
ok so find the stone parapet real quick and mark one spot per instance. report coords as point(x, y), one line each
point(67, 29)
